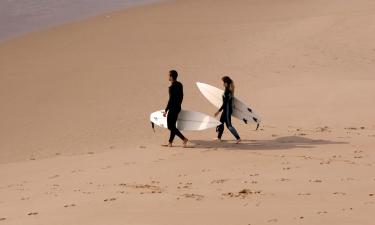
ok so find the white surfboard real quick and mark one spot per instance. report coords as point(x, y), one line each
point(187, 120)
point(240, 110)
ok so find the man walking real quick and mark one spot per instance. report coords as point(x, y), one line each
point(173, 108)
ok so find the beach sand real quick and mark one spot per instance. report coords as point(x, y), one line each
point(76, 144)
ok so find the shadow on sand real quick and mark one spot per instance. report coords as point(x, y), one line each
point(281, 143)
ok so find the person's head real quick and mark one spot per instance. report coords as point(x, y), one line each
point(173, 75)
point(228, 83)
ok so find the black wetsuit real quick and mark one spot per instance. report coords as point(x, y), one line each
point(227, 109)
point(173, 108)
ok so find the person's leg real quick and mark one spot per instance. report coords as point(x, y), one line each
point(220, 130)
point(172, 127)
point(179, 134)
point(233, 130)
point(171, 122)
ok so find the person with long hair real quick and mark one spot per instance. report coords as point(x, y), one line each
point(173, 108)
point(227, 110)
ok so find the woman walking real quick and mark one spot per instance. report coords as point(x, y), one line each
point(227, 110)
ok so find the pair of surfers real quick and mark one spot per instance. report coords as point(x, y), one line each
point(173, 108)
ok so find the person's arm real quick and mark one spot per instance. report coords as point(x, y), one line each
point(169, 102)
point(225, 101)
point(168, 105)
point(182, 93)
point(222, 106)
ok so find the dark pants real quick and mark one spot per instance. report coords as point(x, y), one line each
point(171, 121)
point(226, 118)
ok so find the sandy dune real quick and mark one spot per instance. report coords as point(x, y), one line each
point(76, 145)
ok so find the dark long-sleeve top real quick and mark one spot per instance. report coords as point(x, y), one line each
point(227, 106)
point(176, 95)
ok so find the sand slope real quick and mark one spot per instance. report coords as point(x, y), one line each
point(77, 147)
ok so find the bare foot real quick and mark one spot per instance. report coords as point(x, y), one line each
point(217, 139)
point(238, 141)
point(167, 145)
point(185, 142)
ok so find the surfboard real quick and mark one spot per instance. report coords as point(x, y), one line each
point(187, 120)
point(241, 110)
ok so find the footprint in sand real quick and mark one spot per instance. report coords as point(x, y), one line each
point(32, 214)
point(193, 196)
point(70, 205)
point(146, 188)
point(2, 219)
point(325, 162)
point(323, 129)
point(347, 209)
point(155, 182)
point(110, 199)
point(220, 181)
point(272, 221)
point(244, 193)
point(349, 162)
point(53, 177)
point(316, 181)
point(369, 203)
point(322, 212)
point(304, 194)
point(284, 180)
point(187, 185)
point(347, 179)
point(339, 193)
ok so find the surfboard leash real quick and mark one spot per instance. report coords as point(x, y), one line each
point(153, 126)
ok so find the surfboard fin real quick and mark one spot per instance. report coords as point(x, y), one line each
point(153, 126)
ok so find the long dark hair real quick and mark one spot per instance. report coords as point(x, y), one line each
point(230, 84)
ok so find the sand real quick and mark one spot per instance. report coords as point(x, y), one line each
point(76, 146)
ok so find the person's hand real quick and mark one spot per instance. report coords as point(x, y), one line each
point(217, 113)
point(164, 113)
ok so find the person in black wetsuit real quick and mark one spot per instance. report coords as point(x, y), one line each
point(227, 109)
point(173, 108)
